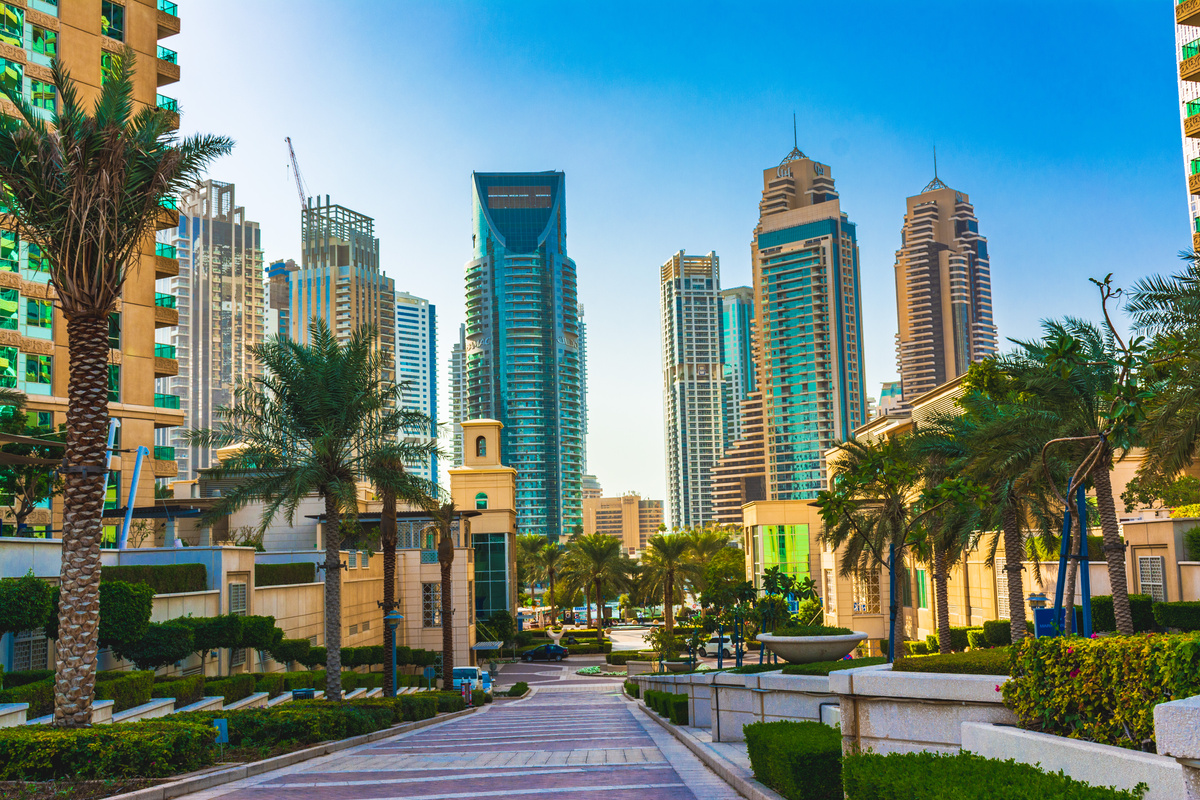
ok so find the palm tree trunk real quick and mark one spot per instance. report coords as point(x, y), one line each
point(599, 616)
point(446, 561)
point(1114, 548)
point(83, 504)
point(1012, 566)
point(333, 599)
point(587, 602)
point(1069, 579)
point(387, 540)
point(668, 608)
point(943, 599)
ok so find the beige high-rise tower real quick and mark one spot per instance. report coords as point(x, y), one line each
point(943, 291)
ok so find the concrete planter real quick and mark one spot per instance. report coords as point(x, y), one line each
point(807, 649)
point(678, 666)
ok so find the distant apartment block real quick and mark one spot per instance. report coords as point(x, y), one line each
point(737, 355)
point(590, 487)
point(628, 517)
point(416, 371)
point(458, 395)
point(1187, 51)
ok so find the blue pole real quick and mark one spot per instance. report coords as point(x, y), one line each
point(113, 424)
point(1085, 582)
point(123, 540)
point(892, 602)
point(1063, 549)
point(720, 643)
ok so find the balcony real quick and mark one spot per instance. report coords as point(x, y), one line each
point(166, 401)
point(166, 260)
point(164, 452)
point(1194, 177)
point(168, 19)
point(1189, 61)
point(169, 104)
point(168, 68)
point(164, 351)
point(1187, 12)
point(169, 216)
point(164, 300)
point(165, 316)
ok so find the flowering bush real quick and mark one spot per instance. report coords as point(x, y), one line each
point(1101, 690)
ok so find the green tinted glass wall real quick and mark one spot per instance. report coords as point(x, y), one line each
point(491, 575)
point(785, 547)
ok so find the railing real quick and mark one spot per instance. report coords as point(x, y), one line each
point(166, 400)
point(164, 452)
point(166, 250)
point(167, 103)
point(169, 202)
point(164, 351)
point(1196, 166)
point(429, 557)
point(1197, 222)
point(1190, 49)
point(170, 56)
point(164, 300)
point(168, 7)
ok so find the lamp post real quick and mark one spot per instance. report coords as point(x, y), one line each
point(392, 621)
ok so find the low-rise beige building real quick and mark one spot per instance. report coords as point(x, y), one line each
point(628, 517)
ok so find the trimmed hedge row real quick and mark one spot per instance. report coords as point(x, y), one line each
point(150, 749)
point(958, 639)
point(126, 689)
point(284, 574)
point(233, 688)
point(185, 690)
point(517, 689)
point(1184, 615)
point(988, 661)
point(631, 689)
point(998, 632)
point(304, 722)
point(826, 667)
point(668, 704)
point(163, 578)
point(800, 760)
point(1141, 606)
point(11, 680)
point(963, 776)
point(39, 696)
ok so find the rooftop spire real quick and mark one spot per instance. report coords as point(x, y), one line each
point(936, 183)
point(795, 155)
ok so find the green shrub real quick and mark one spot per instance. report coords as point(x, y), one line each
point(958, 639)
point(212, 633)
point(998, 632)
point(1141, 606)
point(314, 658)
point(800, 760)
point(270, 682)
point(631, 689)
point(913, 648)
point(449, 701)
point(517, 689)
point(1191, 543)
point(259, 633)
point(754, 669)
point(25, 604)
point(163, 643)
point(479, 697)
point(284, 574)
point(1103, 689)
point(185, 690)
point(124, 612)
point(150, 749)
point(624, 657)
point(811, 630)
point(989, 661)
point(404, 656)
point(977, 641)
point(162, 578)
point(233, 688)
point(826, 667)
point(419, 706)
point(289, 651)
point(963, 776)
point(300, 722)
point(11, 680)
point(39, 696)
point(127, 689)
point(1185, 615)
point(677, 709)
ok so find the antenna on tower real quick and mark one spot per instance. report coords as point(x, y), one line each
point(935, 162)
point(795, 137)
point(936, 183)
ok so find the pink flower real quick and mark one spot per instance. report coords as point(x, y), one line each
point(1070, 650)
point(1074, 673)
point(1094, 636)
point(997, 687)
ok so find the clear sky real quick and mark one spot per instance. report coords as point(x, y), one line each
point(1059, 119)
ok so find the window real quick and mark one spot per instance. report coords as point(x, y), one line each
point(112, 20)
point(114, 383)
point(45, 42)
point(10, 304)
point(109, 62)
point(12, 75)
point(480, 446)
point(352, 557)
point(353, 630)
point(1151, 577)
point(366, 626)
point(830, 592)
point(38, 313)
point(866, 593)
point(8, 367)
point(37, 369)
point(30, 650)
point(237, 599)
point(12, 25)
point(37, 261)
point(10, 254)
point(41, 94)
point(363, 565)
point(431, 605)
point(114, 330)
point(922, 589)
point(481, 502)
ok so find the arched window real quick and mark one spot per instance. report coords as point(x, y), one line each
point(480, 446)
point(481, 501)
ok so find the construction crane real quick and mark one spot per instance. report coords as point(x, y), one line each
point(301, 189)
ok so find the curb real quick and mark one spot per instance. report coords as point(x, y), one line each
point(746, 788)
point(242, 771)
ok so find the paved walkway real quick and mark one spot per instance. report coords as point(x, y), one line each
point(584, 742)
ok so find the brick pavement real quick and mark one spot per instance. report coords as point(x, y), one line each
point(581, 741)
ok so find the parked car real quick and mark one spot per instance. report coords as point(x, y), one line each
point(547, 652)
point(722, 644)
point(469, 675)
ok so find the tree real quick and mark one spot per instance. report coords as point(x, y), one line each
point(163, 643)
point(86, 190)
point(667, 569)
point(27, 481)
point(308, 426)
point(706, 543)
point(546, 566)
point(528, 546)
point(444, 515)
point(727, 568)
point(595, 562)
point(1149, 491)
point(25, 604)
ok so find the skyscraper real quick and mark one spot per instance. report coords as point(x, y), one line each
point(807, 305)
point(458, 395)
point(523, 361)
point(339, 279)
point(416, 370)
point(943, 291)
point(280, 277)
point(737, 355)
point(220, 298)
point(1187, 49)
point(694, 410)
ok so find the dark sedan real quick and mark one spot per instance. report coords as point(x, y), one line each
point(547, 652)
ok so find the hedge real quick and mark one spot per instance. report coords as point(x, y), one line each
point(270, 682)
point(998, 632)
point(1103, 689)
point(519, 688)
point(162, 643)
point(1141, 606)
point(185, 690)
point(963, 776)
point(233, 688)
point(419, 706)
point(284, 574)
point(127, 689)
point(977, 640)
point(163, 578)
point(826, 667)
point(303, 722)
point(11, 680)
point(677, 709)
point(124, 612)
point(25, 604)
point(212, 633)
point(958, 639)
point(259, 633)
point(480, 698)
point(150, 749)
point(913, 648)
point(811, 630)
point(800, 760)
point(39, 696)
point(448, 701)
point(288, 651)
point(1185, 615)
point(988, 661)
point(631, 689)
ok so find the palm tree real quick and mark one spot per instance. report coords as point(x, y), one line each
point(444, 515)
point(86, 188)
point(595, 561)
point(528, 546)
point(667, 567)
point(546, 565)
point(309, 426)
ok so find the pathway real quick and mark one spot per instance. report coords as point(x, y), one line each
point(582, 741)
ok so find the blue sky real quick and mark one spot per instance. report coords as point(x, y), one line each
point(1059, 119)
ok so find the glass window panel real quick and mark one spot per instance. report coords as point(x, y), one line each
point(38, 313)
point(37, 369)
point(45, 41)
point(112, 20)
point(12, 75)
point(114, 383)
point(108, 65)
point(37, 261)
point(10, 254)
point(114, 330)
point(8, 367)
point(42, 94)
point(10, 304)
point(12, 25)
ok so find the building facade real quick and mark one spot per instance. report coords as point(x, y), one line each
point(1187, 50)
point(523, 351)
point(590, 487)
point(416, 371)
point(943, 291)
point(737, 355)
point(807, 302)
point(740, 476)
point(220, 296)
point(694, 410)
point(629, 517)
point(458, 395)
point(280, 276)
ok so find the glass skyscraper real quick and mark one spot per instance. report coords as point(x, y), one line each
point(523, 359)
point(416, 371)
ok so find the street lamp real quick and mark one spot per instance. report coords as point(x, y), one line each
point(393, 620)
